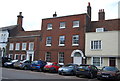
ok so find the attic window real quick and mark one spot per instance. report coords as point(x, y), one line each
point(100, 29)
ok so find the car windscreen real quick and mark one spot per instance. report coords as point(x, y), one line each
point(110, 69)
point(69, 65)
point(84, 67)
point(34, 62)
point(49, 63)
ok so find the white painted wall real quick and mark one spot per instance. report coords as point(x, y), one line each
point(109, 44)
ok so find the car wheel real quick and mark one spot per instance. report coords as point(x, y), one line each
point(77, 75)
point(118, 78)
point(91, 76)
point(40, 70)
point(25, 68)
point(52, 70)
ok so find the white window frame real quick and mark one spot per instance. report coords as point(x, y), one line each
point(48, 41)
point(11, 47)
point(62, 25)
point(49, 26)
point(77, 36)
point(17, 46)
point(76, 24)
point(24, 46)
point(96, 44)
point(31, 45)
point(10, 56)
point(46, 57)
point(100, 62)
point(22, 56)
point(59, 57)
point(63, 39)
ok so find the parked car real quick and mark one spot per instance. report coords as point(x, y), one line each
point(86, 70)
point(26, 65)
point(38, 65)
point(109, 72)
point(51, 67)
point(10, 64)
point(19, 64)
point(68, 69)
point(5, 59)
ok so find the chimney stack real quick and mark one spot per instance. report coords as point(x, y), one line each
point(89, 10)
point(55, 15)
point(19, 21)
point(101, 14)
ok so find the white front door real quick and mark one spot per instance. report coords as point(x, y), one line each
point(77, 60)
point(30, 55)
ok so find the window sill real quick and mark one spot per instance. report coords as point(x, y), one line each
point(75, 26)
point(61, 45)
point(48, 45)
point(49, 29)
point(75, 44)
point(96, 49)
point(62, 27)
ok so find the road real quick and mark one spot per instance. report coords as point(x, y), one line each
point(27, 75)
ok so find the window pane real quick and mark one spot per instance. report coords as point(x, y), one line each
point(48, 57)
point(17, 46)
point(62, 24)
point(49, 26)
point(11, 46)
point(96, 44)
point(75, 23)
point(24, 46)
point(31, 46)
point(49, 40)
point(62, 40)
point(61, 57)
point(75, 39)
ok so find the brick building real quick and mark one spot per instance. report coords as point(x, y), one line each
point(63, 38)
point(24, 44)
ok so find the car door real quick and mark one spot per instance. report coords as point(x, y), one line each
point(94, 70)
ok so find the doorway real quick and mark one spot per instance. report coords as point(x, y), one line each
point(77, 56)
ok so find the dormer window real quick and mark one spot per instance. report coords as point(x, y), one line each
point(100, 29)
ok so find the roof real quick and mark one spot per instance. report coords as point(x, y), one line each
point(67, 16)
point(8, 27)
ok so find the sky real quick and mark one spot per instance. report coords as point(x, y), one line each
point(36, 10)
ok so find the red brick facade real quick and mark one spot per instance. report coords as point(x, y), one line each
point(68, 32)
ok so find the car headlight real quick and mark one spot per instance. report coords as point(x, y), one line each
point(60, 69)
point(66, 69)
point(98, 73)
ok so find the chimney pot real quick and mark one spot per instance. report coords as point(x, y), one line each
point(88, 3)
point(55, 15)
point(101, 14)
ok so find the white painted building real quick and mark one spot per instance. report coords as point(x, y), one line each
point(102, 48)
point(4, 34)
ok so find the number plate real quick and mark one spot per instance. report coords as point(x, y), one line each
point(82, 70)
point(105, 76)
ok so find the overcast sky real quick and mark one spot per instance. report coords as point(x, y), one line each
point(35, 10)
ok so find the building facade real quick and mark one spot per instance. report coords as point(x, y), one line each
point(24, 44)
point(63, 38)
point(102, 42)
point(5, 33)
point(102, 48)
